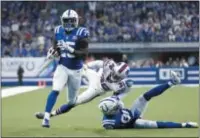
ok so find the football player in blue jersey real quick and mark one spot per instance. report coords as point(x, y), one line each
point(71, 44)
point(115, 116)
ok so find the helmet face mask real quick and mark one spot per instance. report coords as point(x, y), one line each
point(69, 20)
point(69, 23)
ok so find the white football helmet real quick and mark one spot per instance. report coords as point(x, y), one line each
point(120, 71)
point(110, 105)
point(69, 20)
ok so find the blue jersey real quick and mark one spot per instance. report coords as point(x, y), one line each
point(68, 59)
point(123, 119)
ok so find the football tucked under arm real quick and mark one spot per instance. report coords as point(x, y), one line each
point(52, 53)
point(97, 64)
point(56, 48)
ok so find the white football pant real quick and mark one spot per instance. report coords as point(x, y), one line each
point(94, 88)
point(139, 107)
point(70, 78)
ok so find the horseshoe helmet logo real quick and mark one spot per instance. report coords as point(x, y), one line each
point(30, 66)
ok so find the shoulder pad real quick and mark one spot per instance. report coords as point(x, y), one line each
point(57, 29)
point(82, 32)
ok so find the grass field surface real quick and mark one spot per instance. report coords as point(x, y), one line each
point(178, 104)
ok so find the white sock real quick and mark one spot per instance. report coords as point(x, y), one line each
point(47, 115)
point(170, 83)
point(183, 124)
point(53, 112)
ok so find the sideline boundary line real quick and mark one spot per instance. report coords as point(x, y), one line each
point(7, 92)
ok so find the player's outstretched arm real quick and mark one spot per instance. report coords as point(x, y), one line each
point(125, 87)
point(97, 64)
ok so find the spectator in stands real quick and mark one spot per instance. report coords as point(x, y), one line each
point(124, 58)
point(27, 27)
point(183, 63)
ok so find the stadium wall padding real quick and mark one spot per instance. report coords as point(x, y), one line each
point(140, 76)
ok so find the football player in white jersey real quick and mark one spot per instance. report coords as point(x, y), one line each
point(110, 77)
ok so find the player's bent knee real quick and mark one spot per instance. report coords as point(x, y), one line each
point(58, 85)
point(57, 88)
point(87, 96)
point(141, 98)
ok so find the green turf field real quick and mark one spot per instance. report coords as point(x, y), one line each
point(177, 104)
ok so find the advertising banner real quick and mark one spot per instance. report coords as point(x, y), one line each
point(140, 76)
point(9, 67)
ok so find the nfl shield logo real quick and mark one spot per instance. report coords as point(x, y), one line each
point(74, 37)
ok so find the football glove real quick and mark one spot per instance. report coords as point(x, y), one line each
point(52, 53)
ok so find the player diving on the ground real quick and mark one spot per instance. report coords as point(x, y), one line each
point(71, 45)
point(115, 116)
point(110, 77)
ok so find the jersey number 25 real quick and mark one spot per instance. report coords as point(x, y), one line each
point(66, 54)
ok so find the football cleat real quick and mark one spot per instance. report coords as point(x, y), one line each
point(190, 125)
point(175, 78)
point(39, 115)
point(45, 123)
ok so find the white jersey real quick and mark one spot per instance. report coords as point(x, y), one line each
point(106, 68)
point(99, 82)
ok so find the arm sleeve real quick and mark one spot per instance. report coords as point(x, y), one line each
point(57, 33)
point(57, 38)
point(108, 126)
point(84, 33)
point(95, 64)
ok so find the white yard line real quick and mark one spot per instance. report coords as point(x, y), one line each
point(18, 90)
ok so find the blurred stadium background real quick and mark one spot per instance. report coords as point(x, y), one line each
point(152, 37)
